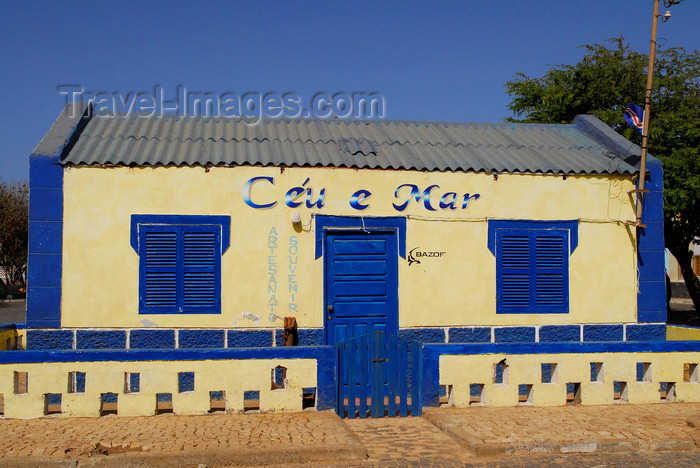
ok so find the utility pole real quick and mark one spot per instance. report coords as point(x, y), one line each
point(647, 104)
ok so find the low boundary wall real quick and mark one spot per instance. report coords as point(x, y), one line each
point(186, 381)
point(544, 374)
point(135, 383)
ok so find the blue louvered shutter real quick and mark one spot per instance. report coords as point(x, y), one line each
point(514, 289)
point(159, 278)
point(532, 271)
point(201, 254)
point(180, 269)
point(551, 271)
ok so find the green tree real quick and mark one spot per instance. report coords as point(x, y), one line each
point(14, 229)
point(603, 83)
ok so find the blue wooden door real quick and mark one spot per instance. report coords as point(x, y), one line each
point(361, 284)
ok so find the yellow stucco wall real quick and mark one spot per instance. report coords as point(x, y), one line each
point(459, 372)
point(13, 339)
point(100, 269)
point(682, 333)
point(234, 377)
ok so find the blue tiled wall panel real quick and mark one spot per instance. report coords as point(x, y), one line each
point(279, 337)
point(311, 336)
point(423, 335)
point(45, 171)
point(514, 334)
point(152, 339)
point(49, 339)
point(307, 336)
point(651, 265)
point(656, 315)
point(35, 274)
point(649, 238)
point(249, 338)
point(45, 241)
point(653, 205)
point(45, 237)
point(643, 332)
point(602, 332)
point(46, 204)
point(555, 333)
point(52, 270)
point(100, 339)
point(43, 302)
point(654, 296)
point(651, 299)
point(201, 339)
point(470, 335)
point(654, 182)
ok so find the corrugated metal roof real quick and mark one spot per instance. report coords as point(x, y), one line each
point(585, 147)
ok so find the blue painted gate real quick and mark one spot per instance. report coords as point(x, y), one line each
point(378, 375)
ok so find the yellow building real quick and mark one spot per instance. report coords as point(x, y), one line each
point(196, 233)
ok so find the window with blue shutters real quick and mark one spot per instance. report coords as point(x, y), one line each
point(180, 263)
point(532, 265)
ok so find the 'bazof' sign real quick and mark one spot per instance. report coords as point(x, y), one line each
point(404, 194)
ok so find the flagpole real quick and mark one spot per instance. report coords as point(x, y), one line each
point(647, 108)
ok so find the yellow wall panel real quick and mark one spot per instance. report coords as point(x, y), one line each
point(460, 371)
point(682, 333)
point(101, 270)
point(234, 377)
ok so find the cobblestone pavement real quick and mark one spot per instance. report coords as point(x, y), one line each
point(260, 436)
point(652, 427)
point(322, 439)
point(612, 460)
point(396, 441)
point(412, 442)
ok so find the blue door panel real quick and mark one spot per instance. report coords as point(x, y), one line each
point(372, 247)
point(360, 267)
point(360, 309)
point(361, 284)
point(365, 288)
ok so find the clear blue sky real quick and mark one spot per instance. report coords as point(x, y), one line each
point(431, 61)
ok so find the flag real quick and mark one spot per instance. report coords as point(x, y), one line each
point(634, 116)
